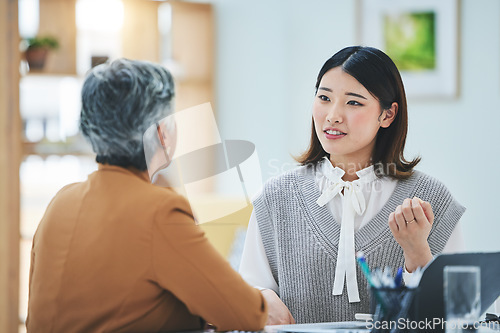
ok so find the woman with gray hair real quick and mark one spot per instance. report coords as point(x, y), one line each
point(117, 254)
point(119, 102)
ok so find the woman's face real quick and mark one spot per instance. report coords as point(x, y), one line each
point(346, 118)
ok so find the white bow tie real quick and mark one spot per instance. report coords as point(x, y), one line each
point(356, 196)
point(353, 203)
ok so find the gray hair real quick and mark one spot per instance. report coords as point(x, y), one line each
point(119, 102)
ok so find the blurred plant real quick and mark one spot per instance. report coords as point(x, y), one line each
point(48, 42)
point(36, 50)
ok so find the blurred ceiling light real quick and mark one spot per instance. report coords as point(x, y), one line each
point(99, 15)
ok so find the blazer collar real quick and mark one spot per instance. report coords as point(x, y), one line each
point(131, 170)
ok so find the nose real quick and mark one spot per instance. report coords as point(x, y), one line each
point(335, 114)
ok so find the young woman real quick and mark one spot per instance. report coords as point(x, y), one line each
point(355, 191)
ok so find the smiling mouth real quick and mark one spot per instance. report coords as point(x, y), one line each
point(334, 132)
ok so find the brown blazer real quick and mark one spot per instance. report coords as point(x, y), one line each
point(117, 254)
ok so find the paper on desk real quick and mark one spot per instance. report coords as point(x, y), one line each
point(342, 326)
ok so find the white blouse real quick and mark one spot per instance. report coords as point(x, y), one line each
point(352, 204)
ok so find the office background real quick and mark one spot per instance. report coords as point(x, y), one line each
point(266, 56)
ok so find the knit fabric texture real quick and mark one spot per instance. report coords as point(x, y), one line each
point(301, 241)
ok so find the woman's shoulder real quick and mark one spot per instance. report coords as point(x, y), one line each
point(291, 176)
point(444, 205)
point(287, 182)
point(168, 196)
point(430, 188)
point(170, 207)
point(423, 180)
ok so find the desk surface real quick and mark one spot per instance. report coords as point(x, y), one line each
point(278, 328)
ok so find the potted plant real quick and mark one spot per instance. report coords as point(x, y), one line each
point(37, 49)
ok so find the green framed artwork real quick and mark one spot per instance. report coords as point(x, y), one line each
point(410, 40)
point(421, 37)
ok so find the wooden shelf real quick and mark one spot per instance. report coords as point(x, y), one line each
point(75, 146)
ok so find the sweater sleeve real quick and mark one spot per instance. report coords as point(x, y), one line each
point(187, 265)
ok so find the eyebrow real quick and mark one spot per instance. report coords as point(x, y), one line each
point(347, 93)
point(355, 95)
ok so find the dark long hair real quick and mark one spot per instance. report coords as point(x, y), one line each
point(380, 76)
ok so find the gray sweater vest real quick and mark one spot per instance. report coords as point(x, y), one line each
point(301, 240)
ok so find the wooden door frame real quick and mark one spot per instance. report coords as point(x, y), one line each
point(10, 157)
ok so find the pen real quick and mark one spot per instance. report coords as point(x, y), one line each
point(364, 267)
point(360, 258)
point(398, 279)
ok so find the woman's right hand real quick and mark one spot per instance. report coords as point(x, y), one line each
point(278, 313)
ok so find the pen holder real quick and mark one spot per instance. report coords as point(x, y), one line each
point(391, 309)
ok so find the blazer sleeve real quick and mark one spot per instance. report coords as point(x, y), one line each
point(188, 266)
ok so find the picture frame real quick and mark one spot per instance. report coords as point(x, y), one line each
point(421, 37)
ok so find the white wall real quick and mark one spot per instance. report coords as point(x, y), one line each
point(458, 139)
point(268, 56)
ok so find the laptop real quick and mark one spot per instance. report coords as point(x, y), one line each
point(429, 302)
